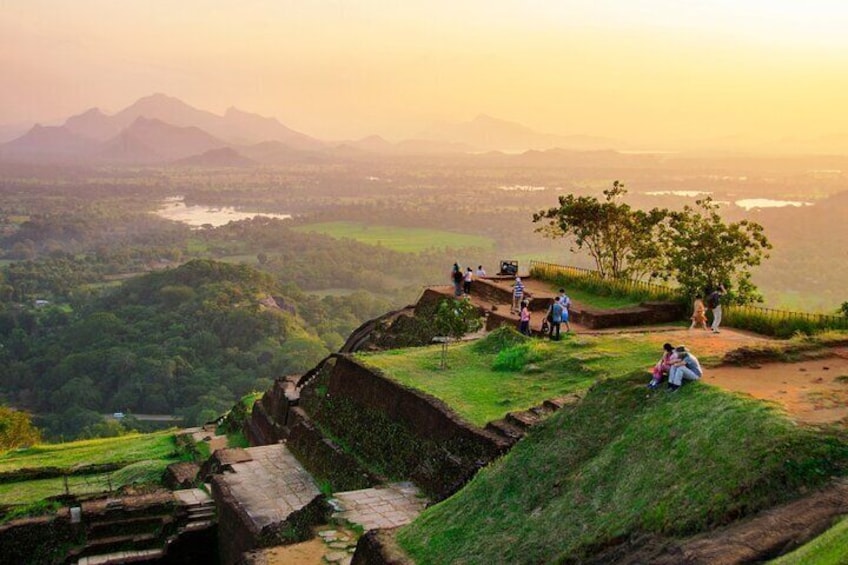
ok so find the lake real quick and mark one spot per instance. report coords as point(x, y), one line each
point(175, 209)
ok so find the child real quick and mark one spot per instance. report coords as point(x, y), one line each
point(663, 366)
point(524, 319)
point(699, 313)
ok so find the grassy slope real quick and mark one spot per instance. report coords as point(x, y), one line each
point(478, 392)
point(145, 455)
point(830, 548)
point(408, 240)
point(621, 463)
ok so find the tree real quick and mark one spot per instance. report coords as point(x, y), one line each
point(618, 238)
point(453, 319)
point(701, 251)
point(16, 429)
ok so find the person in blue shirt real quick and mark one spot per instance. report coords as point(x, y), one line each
point(685, 367)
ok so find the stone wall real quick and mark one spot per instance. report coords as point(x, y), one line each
point(409, 434)
point(647, 313)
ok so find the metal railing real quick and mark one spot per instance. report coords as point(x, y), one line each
point(763, 320)
point(641, 289)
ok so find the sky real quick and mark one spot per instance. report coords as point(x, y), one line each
point(657, 73)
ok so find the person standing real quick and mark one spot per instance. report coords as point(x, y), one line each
point(524, 319)
point(699, 313)
point(714, 304)
point(555, 316)
point(481, 272)
point(685, 367)
point(456, 278)
point(517, 295)
point(466, 283)
point(566, 305)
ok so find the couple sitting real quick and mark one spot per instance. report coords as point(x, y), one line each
point(678, 363)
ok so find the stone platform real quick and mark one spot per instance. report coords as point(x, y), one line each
point(267, 500)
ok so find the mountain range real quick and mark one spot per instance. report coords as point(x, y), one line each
point(160, 129)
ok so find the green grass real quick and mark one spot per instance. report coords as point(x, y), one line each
point(830, 548)
point(622, 464)
point(128, 448)
point(596, 301)
point(481, 388)
point(406, 240)
point(145, 457)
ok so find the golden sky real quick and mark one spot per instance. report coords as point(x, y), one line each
point(654, 72)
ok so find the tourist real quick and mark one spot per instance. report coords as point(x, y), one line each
point(466, 284)
point(566, 305)
point(699, 313)
point(524, 319)
point(686, 366)
point(554, 315)
point(663, 366)
point(456, 278)
point(517, 295)
point(481, 272)
point(714, 304)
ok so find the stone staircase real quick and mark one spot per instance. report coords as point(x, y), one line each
point(121, 534)
point(514, 425)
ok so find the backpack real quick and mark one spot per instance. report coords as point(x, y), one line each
point(712, 300)
point(556, 312)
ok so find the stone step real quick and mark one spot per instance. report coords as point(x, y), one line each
point(202, 513)
point(116, 544)
point(197, 525)
point(140, 556)
point(506, 430)
point(126, 526)
point(542, 411)
point(524, 419)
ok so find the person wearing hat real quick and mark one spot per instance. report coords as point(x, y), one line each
point(685, 367)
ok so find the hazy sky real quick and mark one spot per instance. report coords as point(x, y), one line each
point(651, 71)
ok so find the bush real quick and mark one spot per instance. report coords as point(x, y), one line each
point(515, 358)
point(499, 339)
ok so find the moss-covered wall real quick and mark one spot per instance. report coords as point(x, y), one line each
point(397, 431)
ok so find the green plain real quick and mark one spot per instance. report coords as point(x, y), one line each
point(406, 240)
point(123, 449)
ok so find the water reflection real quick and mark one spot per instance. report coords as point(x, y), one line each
point(751, 203)
point(175, 209)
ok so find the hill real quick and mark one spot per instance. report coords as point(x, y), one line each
point(186, 341)
point(618, 474)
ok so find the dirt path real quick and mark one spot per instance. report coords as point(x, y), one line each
point(811, 392)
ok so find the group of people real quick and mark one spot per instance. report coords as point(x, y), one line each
point(462, 280)
point(713, 303)
point(678, 364)
point(556, 315)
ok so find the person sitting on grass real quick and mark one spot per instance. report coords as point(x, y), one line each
point(686, 366)
point(663, 366)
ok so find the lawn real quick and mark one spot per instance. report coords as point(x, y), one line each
point(830, 548)
point(596, 301)
point(406, 240)
point(124, 449)
point(144, 456)
point(483, 381)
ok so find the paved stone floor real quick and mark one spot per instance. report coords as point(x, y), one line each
point(271, 486)
point(388, 506)
point(192, 497)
